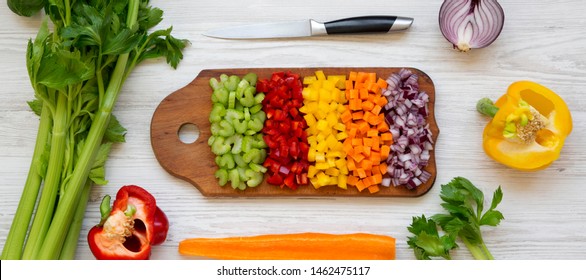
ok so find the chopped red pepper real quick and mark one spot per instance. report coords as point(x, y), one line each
point(284, 130)
point(128, 229)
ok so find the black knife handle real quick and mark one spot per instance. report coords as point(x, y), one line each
point(365, 24)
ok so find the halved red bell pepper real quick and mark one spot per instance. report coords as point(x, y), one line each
point(128, 229)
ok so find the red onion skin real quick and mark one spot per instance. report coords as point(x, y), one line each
point(471, 24)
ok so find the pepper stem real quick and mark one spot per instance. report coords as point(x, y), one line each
point(486, 107)
point(105, 209)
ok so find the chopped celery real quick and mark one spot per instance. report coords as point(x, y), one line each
point(239, 161)
point(222, 176)
point(259, 97)
point(219, 147)
point(221, 95)
point(233, 114)
point(226, 161)
point(236, 123)
point(247, 99)
point(255, 125)
point(218, 111)
point(255, 108)
point(232, 83)
point(215, 84)
point(257, 167)
point(255, 178)
point(240, 127)
point(237, 146)
point(226, 129)
point(251, 78)
point(234, 178)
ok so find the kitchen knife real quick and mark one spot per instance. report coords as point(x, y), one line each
point(304, 28)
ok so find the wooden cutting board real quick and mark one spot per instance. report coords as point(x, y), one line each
point(195, 164)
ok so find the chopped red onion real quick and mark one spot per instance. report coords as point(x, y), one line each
point(406, 113)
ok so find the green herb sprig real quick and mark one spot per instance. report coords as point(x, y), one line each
point(465, 205)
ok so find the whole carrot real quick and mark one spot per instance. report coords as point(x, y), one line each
point(298, 246)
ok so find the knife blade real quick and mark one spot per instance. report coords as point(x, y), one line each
point(310, 27)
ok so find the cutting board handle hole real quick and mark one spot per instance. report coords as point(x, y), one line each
point(188, 133)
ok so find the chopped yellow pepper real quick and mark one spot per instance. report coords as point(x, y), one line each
point(529, 126)
point(323, 102)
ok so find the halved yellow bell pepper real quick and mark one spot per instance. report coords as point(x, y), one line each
point(529, 126)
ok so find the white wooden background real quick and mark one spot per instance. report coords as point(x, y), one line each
point(543, 41)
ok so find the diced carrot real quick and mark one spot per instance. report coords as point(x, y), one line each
point(358, 115)
point(367, 181)
point(358, 157)
point(385, 151)
point(357, 142)
point(374, 119)
point(386, 136)
point(346, 116)
point(361, 77)
point(381, 101)
point(375, 109)
point(367, 85)
point(372, 133)
point(373, 87)
point(382, 83)
point(383, 127)
point(355, 104)
point(372, 77)
point(360, 185)
point(352, 76)
point(383, 167)
point(368, 106)
point(377, 178)
point(367, 115)
point(363, 92)
point(368, 172)
point(374, 189)
point(366, 150)
point(352, 180)
point(366, 164)
point(352, 132)
point(367, 141)
point(375, 158)
point(351, 164)
point(375, 170)
point(349, 85)
point(363, 127)
point(361, 173)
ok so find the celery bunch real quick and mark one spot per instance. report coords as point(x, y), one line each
point(77, 70)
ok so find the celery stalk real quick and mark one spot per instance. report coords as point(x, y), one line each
point(17, 234)
point(70, 245)
point(50, 190)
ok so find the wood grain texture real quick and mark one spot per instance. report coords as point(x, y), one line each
point(194, 162)
point(543, 41)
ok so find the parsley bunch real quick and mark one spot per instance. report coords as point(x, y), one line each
point(465, 205)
